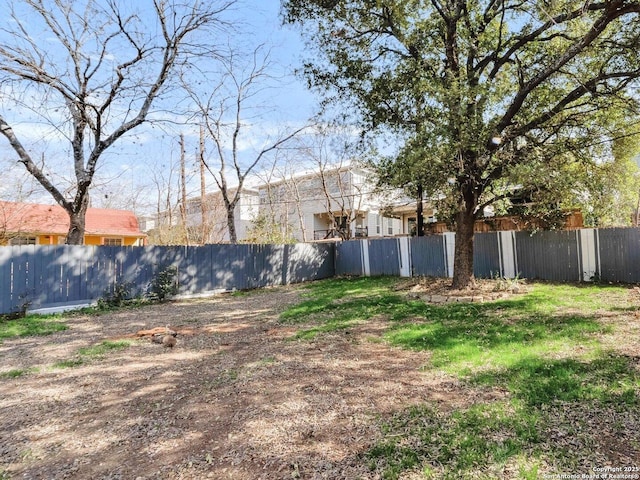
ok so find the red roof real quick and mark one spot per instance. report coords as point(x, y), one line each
point(53, 219)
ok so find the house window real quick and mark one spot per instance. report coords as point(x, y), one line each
point(23, 241)
point(113, 242)
point(378, 224)
point(390, 226)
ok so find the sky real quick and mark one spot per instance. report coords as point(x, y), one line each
point(136, 162)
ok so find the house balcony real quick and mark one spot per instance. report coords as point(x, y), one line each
point(362, 232)
point(359, 232)
point(326, 234)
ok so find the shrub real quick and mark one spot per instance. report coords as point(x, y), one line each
point(116, 296)
point(164, 284)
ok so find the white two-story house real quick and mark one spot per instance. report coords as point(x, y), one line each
point(329, 204)
point(334, 203)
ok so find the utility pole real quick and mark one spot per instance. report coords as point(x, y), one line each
point(204, 233)
point(183, 181)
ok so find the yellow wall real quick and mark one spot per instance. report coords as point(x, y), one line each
point(92, 240)
point(132, 241)
point(88, 240)
point(99, 240)
point(50, 239)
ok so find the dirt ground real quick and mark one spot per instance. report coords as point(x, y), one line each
point(236, 397)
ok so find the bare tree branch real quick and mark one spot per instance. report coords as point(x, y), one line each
point(223, 112)
point(100, 75)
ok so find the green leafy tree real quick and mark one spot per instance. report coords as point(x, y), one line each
point(486, 92)
point(613, 187)
point(602, 180)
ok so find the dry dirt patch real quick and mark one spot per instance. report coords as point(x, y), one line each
point(427, 288)
point(236, 398)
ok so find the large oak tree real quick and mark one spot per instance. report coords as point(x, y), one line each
point(485, 93)
point(91, 71)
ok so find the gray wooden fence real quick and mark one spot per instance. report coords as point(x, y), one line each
point(51, 276)
point(42, 277)
point(612, 255)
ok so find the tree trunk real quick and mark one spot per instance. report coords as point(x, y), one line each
point(231, 225)
point(75, 235)
point(77, 212)
point(419, 213)
point(463, 257)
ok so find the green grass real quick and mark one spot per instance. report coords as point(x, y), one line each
point(542, 349)
point(338, 304)
point(549, 417)
point(94, 352)
point(327, 297)
point(31, 325)
point(468, 442)
point(554, 320)
point(467, 336)
point(70, 363)
point(39, 325)
point(225, 377)
point(103, 348)
point(15, 373)
point(537, 381)
point(243, 293)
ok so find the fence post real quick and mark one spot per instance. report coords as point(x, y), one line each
point(589, 259)
point(449, 239)
point(507, 252)
point(364, 251)
point(404, 257)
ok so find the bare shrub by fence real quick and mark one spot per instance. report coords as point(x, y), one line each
point(49, 276)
